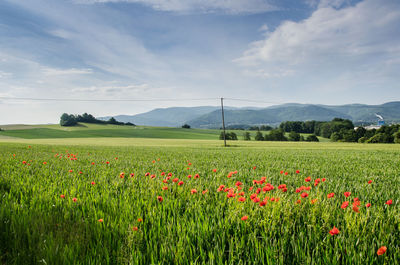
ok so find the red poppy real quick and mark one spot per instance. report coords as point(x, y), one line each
point(132, 175)
point(107, 162)
point(238, 183)
point(70, 171)
point(62, 196)
point(193, 191)
point(122, 175)
point(92, 163)
point(175, 180)
point(140, 220)
point(153, 161)
point(93, 183)
point(308, 179)
point(297, 171)
point(169, 174)
point(196, 176)
point(214, 170)
point(331, 195)
point(165, 188)
point(281, 172)
point(180, 183)
point(205, 191)
point(74, 199)
point(347, 194)
point(24, 162)
point(298, 201)
point(344, 205)
point(381, 250)
point(263, 203)
point(135, 228)
point(286, 173)
point(159, 198)
point(314, 201)
point(355, 208)
point(100, 220)
point(368, 205)
point(244, 218)
point(369, 181)
point(189, 176)
point(334, 231)
point(254, 168)
point(189, 164)
point(256, 199)
point(147, 174)
point(304, 195)
point(44, 163)
point(323, 179)
point(241, 199)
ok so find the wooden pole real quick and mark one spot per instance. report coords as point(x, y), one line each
point(223, 119)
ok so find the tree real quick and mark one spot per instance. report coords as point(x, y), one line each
point(397, 137)
point(312, 138)
point(186, 126)
point(246, 136)
point(232, 136)
point(294, 136)
point(275, 135)
point(68, 120)
point(259, 136)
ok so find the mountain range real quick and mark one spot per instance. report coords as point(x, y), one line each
point(210, 116)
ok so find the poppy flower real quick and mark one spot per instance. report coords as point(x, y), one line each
point(307, 188)
point(331, 195)
point(24, 162)
point(314, 201)
point(344, 205)
point(297, 171)
point(140, 220)
point(263, 203)
point(347, 194)
point(180, 183)
point(368, 205)
point(92, 163)
point(175, 180)
point(147, 174)
point(70, 171)
point(286, 173)
point(238, 183)
point(304, 195)
point(298, 201)
point(189, 164)
point(44, 163)
point(107, 162)
point(153, 176)
point(205, 191)
point(62, 196)
point(159, 198)
point(169, 174)
point(334, 231)
point(241, 199)
point(389, 202)
point(307, 179)
point(256, 200)
point(135, 228)
point(100, 220)
point(193, 191)
point(93, 183)
point(381, 250)
point(369, 181)
point(165, 188)
point(254, 168)
point(214, 170)
point(281, 172)
point(153, 161)
point(244, 218)
point(196, 176)
point(132, 175)
point(74, 199)
point(323, 179)
point(356, 209)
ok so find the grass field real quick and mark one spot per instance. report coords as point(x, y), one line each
point(120, 219)
point(86, 130)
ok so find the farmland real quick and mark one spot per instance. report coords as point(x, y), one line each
point(113, 201)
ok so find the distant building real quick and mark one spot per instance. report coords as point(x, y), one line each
point(381, 123)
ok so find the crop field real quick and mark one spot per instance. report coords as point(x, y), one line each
point(74, 201)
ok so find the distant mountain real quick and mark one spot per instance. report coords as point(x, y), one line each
point(170, 117)
point(210, 116)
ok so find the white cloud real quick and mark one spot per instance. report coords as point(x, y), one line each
point(355, 38)
point(5, 74)
point(199, 6)
point(71, 71)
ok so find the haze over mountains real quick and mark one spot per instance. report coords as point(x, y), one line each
point(210, 116)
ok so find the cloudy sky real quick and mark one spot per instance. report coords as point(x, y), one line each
point(274, 51)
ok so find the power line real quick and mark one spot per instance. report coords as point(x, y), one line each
point(105, 100)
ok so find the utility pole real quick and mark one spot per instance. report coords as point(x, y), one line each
point(223, 119)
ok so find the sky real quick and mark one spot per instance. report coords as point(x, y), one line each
point(192, 52)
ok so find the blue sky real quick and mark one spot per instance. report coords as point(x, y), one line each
point(311, 51)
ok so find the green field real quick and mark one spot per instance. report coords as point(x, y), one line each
point(86, 130)
point(188, 227)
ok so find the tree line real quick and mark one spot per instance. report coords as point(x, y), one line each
point(71, 120)
point(343, 130)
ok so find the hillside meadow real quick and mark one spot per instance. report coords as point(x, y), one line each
point(167, 201)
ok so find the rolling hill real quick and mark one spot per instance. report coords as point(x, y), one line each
point(210, 116)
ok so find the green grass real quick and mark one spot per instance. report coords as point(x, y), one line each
point(37, 226)
point(86, 130)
